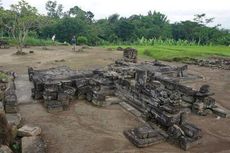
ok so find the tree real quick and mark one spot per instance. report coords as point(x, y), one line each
point(125, 30)
point(201, 30)
point(89, 16)
point(201, 19)
point(113, 18)
point(77, 12)
point(1, 18)
point(23, 18)
point(54, 10)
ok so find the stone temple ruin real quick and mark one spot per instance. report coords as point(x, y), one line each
point(152, 89)
point(214, 62)
point(24, 138)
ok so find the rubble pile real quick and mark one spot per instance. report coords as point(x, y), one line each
point(13, 136)
point(8, 97)
point(221, 63)
point(53, 86)
point(144, 136)
point(152, 88)
point(58, 86)
point(8, 104)
point(130, 55)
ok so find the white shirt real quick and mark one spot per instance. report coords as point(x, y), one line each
point(53, 38)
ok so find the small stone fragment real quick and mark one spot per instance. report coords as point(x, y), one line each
point(27, 130)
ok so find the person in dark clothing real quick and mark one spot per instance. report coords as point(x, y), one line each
point(73, 41)
point(14, 75)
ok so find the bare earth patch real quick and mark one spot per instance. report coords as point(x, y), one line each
point(86, 128)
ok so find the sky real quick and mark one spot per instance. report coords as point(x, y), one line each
point(176, 10)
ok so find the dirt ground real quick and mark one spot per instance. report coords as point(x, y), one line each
point(89, 129)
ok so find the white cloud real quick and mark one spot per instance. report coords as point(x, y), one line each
point(176, 10)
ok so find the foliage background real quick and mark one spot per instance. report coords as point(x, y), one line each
point(150, 29)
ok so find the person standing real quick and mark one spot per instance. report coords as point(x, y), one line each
point(14, 75)
point(73, 41)
point(53, 38)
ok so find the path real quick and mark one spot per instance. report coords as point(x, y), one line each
point(23, 89)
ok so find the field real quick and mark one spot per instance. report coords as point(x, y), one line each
point(177, 52)
point(89, 129)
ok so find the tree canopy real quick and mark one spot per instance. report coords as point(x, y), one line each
point(114, 29)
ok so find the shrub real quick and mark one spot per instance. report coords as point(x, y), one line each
point(37, 42)
point(31, 41)
point(3, 76)
point(82, 40)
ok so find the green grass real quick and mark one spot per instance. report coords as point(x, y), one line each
point(38, 42)
point(33, 41)
point(172, 52)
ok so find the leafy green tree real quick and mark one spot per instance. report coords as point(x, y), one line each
point(202, 31)
point(54, 10)
point(82, 40)
point(77, 12)
point(23, 18)
point(113, 18)
point(1, 18)
point(125, 30)
point(89, 15)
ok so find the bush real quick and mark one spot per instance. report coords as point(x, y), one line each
point(3, 76)
point(81, 40)
point(31, 41)
point(37, 42)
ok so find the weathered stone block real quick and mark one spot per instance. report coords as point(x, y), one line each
point(27, 130)
point(1, 107)
point(187, 143)
point(55, 109)
point(189, 99)
point(33, 144)
point(139, 142)
point(221, 112)
point(5, 149)
point(1, 95)
point(185, 104)
point(112, 100)
point(145, 132)
point(14, 119)
point(11, 109)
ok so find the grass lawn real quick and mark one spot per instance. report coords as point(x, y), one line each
point(164, 52)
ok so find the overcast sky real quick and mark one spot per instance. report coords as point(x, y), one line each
point(176, 10)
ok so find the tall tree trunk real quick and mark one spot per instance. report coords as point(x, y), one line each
point(20, 42)
point(19, 49)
